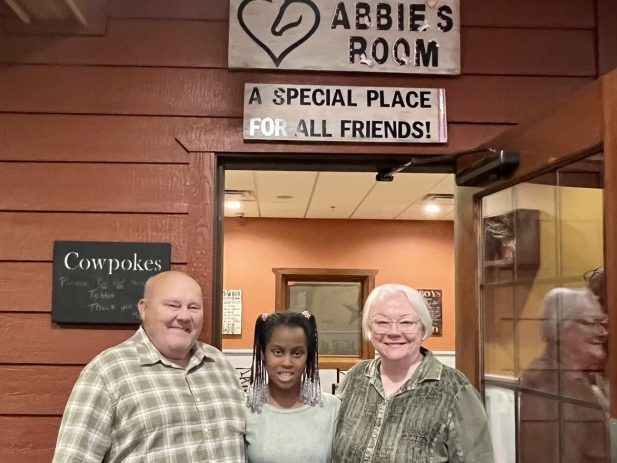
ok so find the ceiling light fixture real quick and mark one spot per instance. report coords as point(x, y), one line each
point(233, 205)
point(432, 208)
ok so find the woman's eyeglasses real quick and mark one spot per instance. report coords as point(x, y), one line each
point(383, 325)
point(591, 322)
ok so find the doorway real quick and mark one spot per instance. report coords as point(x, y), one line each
point(335, 220)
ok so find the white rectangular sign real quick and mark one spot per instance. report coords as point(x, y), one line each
point(232, 311)
point(415, 37)
point(350, 114)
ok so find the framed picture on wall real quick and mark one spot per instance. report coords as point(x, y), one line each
point(512, 239)
point(434, 298)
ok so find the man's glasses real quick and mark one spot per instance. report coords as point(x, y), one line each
point(383, 325)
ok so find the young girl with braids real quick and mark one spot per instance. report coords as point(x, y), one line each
point(288, 418)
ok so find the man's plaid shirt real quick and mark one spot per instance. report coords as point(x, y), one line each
point(130, 404)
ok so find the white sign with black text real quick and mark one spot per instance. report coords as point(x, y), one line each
point(349, 114)
point(412, 37)
point(232, 311)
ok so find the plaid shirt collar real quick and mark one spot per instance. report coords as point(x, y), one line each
point(148, 354)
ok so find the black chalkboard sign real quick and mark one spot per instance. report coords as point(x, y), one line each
point(95, 282)
point(434, 301)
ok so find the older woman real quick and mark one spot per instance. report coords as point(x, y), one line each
point(574, 327)
point(406, 406)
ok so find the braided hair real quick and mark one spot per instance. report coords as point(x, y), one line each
point(264, 326)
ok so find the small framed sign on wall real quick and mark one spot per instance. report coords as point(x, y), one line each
point(434, 300)
point(232, 311)
point(101, 282)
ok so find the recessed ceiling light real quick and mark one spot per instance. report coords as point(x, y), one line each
point(233, 205)
point(432, 208)
point(284, 197)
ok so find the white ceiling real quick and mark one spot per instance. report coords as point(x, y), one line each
point(336, 195)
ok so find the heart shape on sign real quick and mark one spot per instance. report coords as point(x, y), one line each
point(278, 29)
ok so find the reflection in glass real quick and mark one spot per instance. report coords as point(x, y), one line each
point(553, 430)
point(544, 321)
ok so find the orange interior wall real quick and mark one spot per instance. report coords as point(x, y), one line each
point(417, 253)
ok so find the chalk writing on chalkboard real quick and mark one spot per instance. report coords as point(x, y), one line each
point(101, 282)
point(434, 301)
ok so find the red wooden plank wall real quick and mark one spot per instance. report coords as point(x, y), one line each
point(88, 151)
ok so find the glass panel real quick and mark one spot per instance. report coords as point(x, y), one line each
point(530, 325)
point(544, 320)
point(337, 309)
point(580, 221)
point(584, 435)
point(556, 431)
point(498, 314)
point(538, 429)
point(498, 238)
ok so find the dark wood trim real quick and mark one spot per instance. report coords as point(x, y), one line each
point(218, 258)
point(467, 344)
point(606, 15)
point(572, 128)
point(609, 84)
point(200, 234)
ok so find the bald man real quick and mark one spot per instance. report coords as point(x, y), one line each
point(160, 396)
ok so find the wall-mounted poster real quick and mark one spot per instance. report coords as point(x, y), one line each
point(434, 300)
point(414, 37)
point(232, 311)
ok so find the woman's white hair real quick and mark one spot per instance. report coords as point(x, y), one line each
point(417, 301)
point(562, 304)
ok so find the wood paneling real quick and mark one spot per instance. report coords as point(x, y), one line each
point(30, 235)
point(607, 38)
point(25, 286)
point(529, 13)
point(574, 127)
point(42, 137)
point(528, 51)
point(36, 389)
point(95, 17)
point(88, 187)
point(28, 439)
point(484, 50)
point(42, 342)
point(504, 13)
point(127, 43)
point(161, 9)
point(193, 92)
